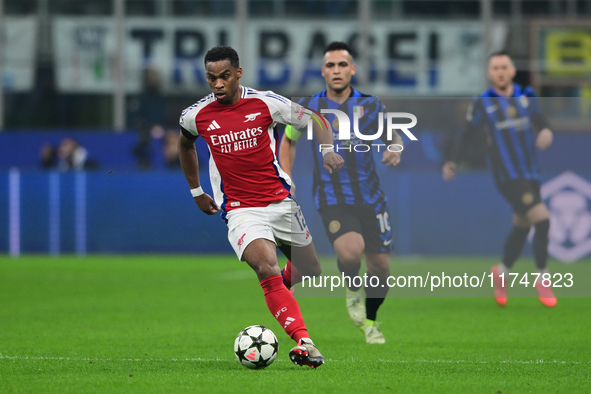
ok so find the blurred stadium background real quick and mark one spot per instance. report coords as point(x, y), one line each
point(92, 91)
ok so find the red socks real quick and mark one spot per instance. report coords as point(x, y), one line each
point(284, 307)
point(291, 275)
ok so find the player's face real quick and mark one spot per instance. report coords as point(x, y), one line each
point(501, 71)
point(337, 70)
point(223, 79)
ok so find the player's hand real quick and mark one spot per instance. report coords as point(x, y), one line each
point(333, 162)
point(391, 159)
point(206, 204)
point(544, 140)
point(449, 170)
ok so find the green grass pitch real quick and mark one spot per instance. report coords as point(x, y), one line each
point(167, 323)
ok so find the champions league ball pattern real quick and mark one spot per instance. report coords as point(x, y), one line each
point(256, 347)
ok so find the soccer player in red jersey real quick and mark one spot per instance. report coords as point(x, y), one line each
point(250, 188)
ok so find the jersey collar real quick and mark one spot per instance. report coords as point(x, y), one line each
point(517, 91)
point(354, 93)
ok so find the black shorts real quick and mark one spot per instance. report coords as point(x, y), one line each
point(522, 194)
point(371, 221)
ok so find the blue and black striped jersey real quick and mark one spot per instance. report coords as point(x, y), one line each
point(510, 123)
point(357, 182)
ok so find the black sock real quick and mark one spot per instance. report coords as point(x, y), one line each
point(540, 243)
point(514, 245)
point(374, 296)
point(350, 273)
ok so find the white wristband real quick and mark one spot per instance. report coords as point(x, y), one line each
point(197, 191)
point(327, 150)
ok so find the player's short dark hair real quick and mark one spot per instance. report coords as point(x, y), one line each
point(222, 52)
point(338, 46)
point(499, 53)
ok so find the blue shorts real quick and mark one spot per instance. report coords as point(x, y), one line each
point(522, 194)
point(371, 221)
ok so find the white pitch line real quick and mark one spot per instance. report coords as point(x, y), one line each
point(418, 361)
point(540, 361)
point(54, 358)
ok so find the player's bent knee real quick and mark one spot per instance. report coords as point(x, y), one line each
point(265, 269)
point(310, 267)
point(267, 272)
point(381, 273)
point(379, 270)
point(378, 264)
point(306, 260)
point(537, 213)
point(350, 257)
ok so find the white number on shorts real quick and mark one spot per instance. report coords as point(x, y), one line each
point(300, 218)
point(384, 220)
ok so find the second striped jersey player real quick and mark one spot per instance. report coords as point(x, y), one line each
point(515, 127)
point(510, 124)
point(351, 202)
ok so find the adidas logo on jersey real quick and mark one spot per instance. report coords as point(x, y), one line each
point(213, 126)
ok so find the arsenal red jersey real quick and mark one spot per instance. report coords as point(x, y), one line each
point(243, 143)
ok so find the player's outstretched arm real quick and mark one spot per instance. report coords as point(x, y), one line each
point(190, 166)
point(544, 139)
point(392, 158)
point(332, 161)
point(449, 170)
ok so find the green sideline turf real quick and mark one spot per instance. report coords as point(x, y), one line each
point(166, 324)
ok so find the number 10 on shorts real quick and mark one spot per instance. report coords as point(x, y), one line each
point(299, 217)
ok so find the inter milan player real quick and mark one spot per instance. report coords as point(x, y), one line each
point(510, 115)
point(351, 203)
point(249, 187)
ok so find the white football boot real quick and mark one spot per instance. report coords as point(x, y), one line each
point(306, 353)
point(356, 306)
point(373, 334)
